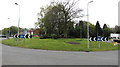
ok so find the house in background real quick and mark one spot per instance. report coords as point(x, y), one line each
point(36, 32)
point(27, 32)
point(30, 32)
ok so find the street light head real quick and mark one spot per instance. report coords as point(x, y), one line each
point(90, 1)
point(16, 3)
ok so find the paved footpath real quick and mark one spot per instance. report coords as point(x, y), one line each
point(23, 56)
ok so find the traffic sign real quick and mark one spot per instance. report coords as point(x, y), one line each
point(26, 36)
point(15, 36)
point(22, 36)
point(98, 38)
point(94, 39)
point(90, 39)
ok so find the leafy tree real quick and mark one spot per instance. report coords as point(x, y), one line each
point(71, 29)
point(24, 29)
point(13, 30)
point(105, 26)
point(0, 32)
point(106, 30)
point(91, 30)
point(5, 31)
point(57, 18)
point(77, 30)
point(81, 29)
point(117, 29)
point(98, 30)
point(81, 24)
point(10, 30)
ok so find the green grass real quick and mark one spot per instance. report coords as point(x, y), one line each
point(60, 44)
point(0, 41)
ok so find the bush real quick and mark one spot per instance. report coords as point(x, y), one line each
point(45, 36)
point(54, 36)
point(42, 37)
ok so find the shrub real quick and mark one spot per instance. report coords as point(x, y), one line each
point(42, 37)
point(54, 36)
point(45, 36)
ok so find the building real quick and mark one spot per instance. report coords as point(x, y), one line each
point(36, 32)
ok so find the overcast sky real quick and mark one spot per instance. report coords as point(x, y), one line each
point(105, 11)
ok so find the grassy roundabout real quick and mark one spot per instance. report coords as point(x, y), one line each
point(68, 44)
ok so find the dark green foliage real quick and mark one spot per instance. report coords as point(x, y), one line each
point(5, 31)
point(105, 26)
point(13, 30)
point(117, 29)
point(43, 36)
point(57, 18)
point(0, 32)
point(54, 36)
point(81, 29)
point(10, 31)
point(81, 24)
point(98, 30)
point(91, 30)
point(106, 30)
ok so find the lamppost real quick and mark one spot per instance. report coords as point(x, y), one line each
point(18, 21)
point(88, 23)
point(9, 28)
point(18, 18)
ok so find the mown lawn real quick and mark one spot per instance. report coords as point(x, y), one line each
point(60, 44)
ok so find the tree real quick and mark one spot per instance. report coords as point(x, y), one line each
point(91, 30)
point(105, 26)
point(117, 29)
point(13, 30)
point(81, 24)
point(0, 32)
point(71, 29)
point(5, 31)
point(58, 17)
point(98, 30)
point(81, 29)
point(106, 30)
point(10, 30)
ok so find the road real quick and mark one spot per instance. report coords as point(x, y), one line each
point(23, 56)
point(0, 53)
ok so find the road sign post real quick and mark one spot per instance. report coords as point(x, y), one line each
point(99, 39)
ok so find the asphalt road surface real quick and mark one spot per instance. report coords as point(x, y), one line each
point(23, 56)
point(0, 53)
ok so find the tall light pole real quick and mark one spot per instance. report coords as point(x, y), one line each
point(88, 23)
point(18, 18)
point(9, 28)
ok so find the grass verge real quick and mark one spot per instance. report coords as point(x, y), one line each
point(60, 44)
